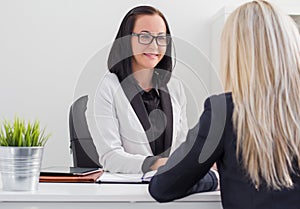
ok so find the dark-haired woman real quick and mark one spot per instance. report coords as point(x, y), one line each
point(139, 114)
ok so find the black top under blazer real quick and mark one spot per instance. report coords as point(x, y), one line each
point(213, 140)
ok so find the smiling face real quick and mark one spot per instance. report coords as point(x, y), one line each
point(147, 56)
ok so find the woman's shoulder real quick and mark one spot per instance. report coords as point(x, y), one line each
point(175, 87)
point(108, 84)
point(220, 103)
point(110, 79)
point(227, 96)
point(174, 82)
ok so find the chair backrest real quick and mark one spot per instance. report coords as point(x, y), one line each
point(81, 142)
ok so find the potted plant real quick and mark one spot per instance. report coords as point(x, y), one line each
point(21, 152)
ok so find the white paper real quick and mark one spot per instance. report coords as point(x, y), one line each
point(108, 177)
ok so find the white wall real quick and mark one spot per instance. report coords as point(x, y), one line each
point(45, 45)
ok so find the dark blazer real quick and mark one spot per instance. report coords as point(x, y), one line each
point(213, 140)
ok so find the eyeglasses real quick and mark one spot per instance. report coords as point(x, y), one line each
point(146, 39)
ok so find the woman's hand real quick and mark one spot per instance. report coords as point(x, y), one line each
point(159, 162)
point(214, 168)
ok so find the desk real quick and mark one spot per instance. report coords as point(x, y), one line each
point(108, 196)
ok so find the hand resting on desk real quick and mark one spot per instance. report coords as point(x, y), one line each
point(159, 162)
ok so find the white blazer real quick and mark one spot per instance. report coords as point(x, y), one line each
point(118, 134)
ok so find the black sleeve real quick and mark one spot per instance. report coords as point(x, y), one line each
point(188, 169)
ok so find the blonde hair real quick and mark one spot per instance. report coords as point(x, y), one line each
point(260, 59)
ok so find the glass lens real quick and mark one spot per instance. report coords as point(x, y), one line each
point(145, 38)
point(163, 40)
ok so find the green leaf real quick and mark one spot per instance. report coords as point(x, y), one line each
point(18, 133)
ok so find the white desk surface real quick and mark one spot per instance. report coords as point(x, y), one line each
point(90, 192)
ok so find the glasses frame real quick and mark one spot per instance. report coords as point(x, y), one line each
point(153, 37)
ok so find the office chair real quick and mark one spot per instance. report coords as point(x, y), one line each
point(81, 142)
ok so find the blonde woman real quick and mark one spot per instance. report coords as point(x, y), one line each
point(253, 132)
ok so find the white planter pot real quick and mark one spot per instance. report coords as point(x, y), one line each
point(20, 167)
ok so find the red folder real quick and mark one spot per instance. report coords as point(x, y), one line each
point(89, 178)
